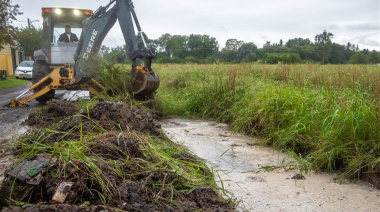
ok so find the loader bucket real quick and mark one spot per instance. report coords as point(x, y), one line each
point(144, 82)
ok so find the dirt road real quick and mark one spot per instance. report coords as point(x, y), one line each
point(239, 158)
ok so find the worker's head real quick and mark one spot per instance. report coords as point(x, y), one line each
point(68, 29)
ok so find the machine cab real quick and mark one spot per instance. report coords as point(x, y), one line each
point(55, 20)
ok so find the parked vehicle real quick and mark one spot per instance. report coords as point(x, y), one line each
point(24, 70)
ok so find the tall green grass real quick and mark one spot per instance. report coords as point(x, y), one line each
point(328, 113)
point(116, 78)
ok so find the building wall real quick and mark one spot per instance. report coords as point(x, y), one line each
point(6, 60)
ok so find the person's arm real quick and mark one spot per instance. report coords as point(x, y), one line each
point(62, 38)
point(74, 37)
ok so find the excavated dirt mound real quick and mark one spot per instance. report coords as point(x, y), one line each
point(54, 111)
point(130, 187)
point(134, 197)
point(111, 115)
point(129, 196)
point(107, 115)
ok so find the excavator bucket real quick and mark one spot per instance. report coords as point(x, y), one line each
point(144, 81)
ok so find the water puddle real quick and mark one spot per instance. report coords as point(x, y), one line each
point(238, 159)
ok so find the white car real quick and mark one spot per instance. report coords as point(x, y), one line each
point(24, 70)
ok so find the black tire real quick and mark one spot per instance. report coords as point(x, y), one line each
point(40, 70)
point(16, 77)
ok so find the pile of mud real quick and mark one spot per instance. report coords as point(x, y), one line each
point(110, 115)
point(61, 207)
point(117, 168)
point(51, 113)
point(106, 114)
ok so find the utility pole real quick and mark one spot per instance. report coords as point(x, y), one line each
point(29, 23)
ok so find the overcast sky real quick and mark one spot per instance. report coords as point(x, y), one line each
point(257, 21)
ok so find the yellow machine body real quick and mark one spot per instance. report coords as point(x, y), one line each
point(60, 78)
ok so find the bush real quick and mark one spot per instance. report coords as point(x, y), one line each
point(274, 58)
point(190, 59)
point(359, 58)
point(209, 60)
point(170, 60)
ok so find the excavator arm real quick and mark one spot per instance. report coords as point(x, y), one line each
point(144, 79)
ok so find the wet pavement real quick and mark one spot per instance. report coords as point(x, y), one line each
point(238, 158)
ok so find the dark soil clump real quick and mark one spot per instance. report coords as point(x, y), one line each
point(372, 177)
point(60, 208)
point(129, 196)
point(108, 115)
point(208, 199)
point(116, 146)
point(54, 111)
point(135, 198)
point(111, 115)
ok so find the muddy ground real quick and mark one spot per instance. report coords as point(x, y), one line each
point(240, 162)
point(11, 119)
point(117, 128)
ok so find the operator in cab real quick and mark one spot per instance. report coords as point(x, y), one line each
point(68, 37)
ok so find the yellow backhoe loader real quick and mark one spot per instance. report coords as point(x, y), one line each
point(62, 61)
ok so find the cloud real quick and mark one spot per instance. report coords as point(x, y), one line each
point(368, 42)
point(332, 27)
point(364, 26)
point(221, 29)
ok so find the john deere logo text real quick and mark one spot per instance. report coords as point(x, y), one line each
point(90, 44)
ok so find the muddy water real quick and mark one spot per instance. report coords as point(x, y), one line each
point(238, 159)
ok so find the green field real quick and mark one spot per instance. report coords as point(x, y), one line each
point(12, 82)
point(327, 113)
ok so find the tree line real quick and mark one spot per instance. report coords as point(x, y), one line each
point(205, 49)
